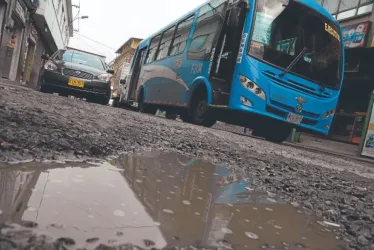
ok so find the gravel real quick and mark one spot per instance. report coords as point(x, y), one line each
point(36, 126)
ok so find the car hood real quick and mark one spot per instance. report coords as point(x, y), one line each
point(76, 66)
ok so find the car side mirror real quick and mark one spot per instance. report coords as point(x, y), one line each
point(123, 81)
point(233, 20)
point(110, 71)
point(45, 57)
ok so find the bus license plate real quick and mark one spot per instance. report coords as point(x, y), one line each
point(295, 119)
point(76, 83)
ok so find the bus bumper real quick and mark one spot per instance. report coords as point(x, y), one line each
point(276, 113)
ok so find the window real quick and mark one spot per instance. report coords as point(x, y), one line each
point(181, 36)
point(347, 4)
point(210, 20)
point(344, 9)
point(153, 49)
point(283, 33)
point(80, 58)
point(331, 5)
point(167, 37)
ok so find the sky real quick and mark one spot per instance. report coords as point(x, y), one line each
point(112, 22)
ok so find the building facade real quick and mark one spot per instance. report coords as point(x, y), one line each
point(356, 18)
point(31, 28)
point(125, 54)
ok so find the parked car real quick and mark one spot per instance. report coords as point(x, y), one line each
point(71, 72)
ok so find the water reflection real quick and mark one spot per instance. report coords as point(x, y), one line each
point(166, 199)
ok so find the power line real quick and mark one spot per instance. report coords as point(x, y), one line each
point(95, 41)
point(99, 52)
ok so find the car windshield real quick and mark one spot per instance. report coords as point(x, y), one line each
point(80, 58)
point(284, 29)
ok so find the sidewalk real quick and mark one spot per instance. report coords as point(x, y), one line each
point(9, 82)
point(14, 83)
point(344, 150)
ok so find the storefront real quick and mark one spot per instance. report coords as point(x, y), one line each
point(358, 85)
point(29, 54)
point(3, 7)
point(13, 37)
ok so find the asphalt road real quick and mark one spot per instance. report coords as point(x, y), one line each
point(36, 126)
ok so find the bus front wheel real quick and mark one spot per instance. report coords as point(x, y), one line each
point(278, 135)
point(201, 114)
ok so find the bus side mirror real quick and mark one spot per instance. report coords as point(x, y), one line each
point(233, 20)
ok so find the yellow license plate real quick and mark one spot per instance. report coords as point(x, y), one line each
point(76, 83)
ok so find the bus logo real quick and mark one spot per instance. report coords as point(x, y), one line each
point(301, 100)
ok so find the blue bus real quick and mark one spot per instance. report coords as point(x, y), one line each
point(269, 65)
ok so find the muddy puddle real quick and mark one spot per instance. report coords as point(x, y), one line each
point(154, 200)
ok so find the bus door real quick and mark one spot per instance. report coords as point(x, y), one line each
point(226, 52)
point(139, 61)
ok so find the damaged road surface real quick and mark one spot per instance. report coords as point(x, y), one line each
point(151, 200)
point(218, 189)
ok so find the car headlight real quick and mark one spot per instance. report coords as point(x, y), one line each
point(253, 87)
point(49, 65)
point(104, 77)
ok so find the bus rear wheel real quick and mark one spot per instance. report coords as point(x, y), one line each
point(201, 114)
point(146, 108)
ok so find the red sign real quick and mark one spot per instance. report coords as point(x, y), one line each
point(355, 35)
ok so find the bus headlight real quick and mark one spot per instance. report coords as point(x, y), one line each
point(253, 87)
point(329, 114)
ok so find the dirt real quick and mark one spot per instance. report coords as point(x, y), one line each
point(35, 126)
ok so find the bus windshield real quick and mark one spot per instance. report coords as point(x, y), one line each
point(286, 29)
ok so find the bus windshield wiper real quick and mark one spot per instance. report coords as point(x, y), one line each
point(294, 61)
point(215, 10)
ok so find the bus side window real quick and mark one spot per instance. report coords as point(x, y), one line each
point(208, 24)
point(181, 36)
point(153, 49)
point(167, 37)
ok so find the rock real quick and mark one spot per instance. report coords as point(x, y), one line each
point(308, 205)
point(92, 240)
point(362, 240)
point(94, 150)
point(361, 189)
point(328, 203)
point(295, 204)
point(4, 145)
point(7, 244)
point(148, 243)
point(66, 241)
point(29, 224)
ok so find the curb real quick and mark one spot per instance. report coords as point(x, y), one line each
point(328, 152)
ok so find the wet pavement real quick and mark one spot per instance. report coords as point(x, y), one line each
point(152, 200)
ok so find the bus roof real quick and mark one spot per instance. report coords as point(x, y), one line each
point(173, 23)
point(310, 3)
